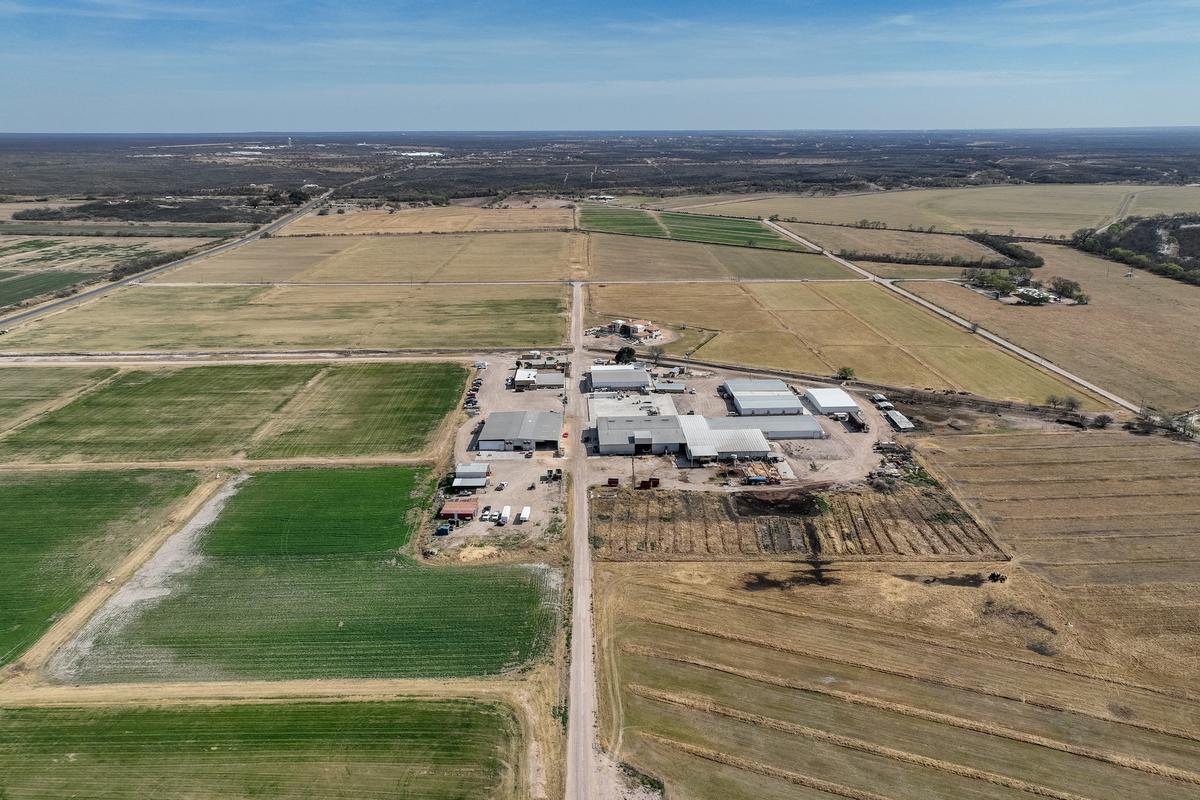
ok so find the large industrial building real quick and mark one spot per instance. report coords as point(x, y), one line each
point(521, 430)
point(620, 377)
point(762, 397)
point(830, 401)
point(690, 435)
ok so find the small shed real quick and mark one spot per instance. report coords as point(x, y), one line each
point(459, 509)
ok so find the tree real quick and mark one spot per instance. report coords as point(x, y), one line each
point(626, 355)
point(656, 353)
point(1071, 403)
point(845, 373)
point(1102, 421)
point(298, 198)
point(1053, 400)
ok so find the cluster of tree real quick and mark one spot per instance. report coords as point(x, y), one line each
point(151, 210)
point(926, 259)
point(1007, 281)
point(1162, 245)
point(140, 264)
point(1020, 256)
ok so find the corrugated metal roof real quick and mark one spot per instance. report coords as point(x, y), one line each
point(621, 377)
point(471, 470)
point(900, 421)
point(536, 426)
point(830, 399)
point(749, 385)
point(775, 427)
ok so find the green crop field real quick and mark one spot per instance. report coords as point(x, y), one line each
point(61, 532)
point(400, 749)
point(610, 219)
point(24, 389)
point(723, 230)
point(269, 410)
point(365, 409)
point(194, 412)
point(302, 576)
point(32, 284)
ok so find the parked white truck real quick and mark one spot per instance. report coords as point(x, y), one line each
point(505, 514)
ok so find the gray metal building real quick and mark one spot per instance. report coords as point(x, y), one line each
point(521, 430)
point(765, 397)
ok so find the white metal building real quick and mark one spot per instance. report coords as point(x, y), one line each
point(755, 397)
point(791, 426)
point(830, 401)
point(899, 421)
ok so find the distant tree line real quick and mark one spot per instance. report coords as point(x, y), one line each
point(1164, 244)
point(248, 210)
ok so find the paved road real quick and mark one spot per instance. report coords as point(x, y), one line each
point(957, 320)
point(581, 733)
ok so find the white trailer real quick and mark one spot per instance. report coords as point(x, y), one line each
point(505, 515)
point(524, 517)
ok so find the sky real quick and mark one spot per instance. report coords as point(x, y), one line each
point(78, 66)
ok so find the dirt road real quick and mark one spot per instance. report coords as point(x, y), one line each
point(581, 733)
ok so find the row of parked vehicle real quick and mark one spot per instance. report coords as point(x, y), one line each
point(471, 402)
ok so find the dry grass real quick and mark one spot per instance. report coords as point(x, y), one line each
point(820, 327)
point(1109, 517)
point(892, 243)
point(441, 219)
point(630, 258)
point(1128, 339)
point(87, 252)
point(302, 317)
point(1050, 210)
point(769, 680)
point(483, 257)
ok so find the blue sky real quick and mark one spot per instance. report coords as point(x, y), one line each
point(216, 65)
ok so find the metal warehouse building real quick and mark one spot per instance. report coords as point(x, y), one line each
point(792, 426)
point(763, 397)
point(521, 430)
point(689, 434)
point(620, 377)
point(830, 401)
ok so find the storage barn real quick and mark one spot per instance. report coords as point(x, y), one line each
point(521, 430)
point(766, 397)
point(691, 435)
point(620, 377)
point(899, 421)
point(471, 476)
point(830, 401)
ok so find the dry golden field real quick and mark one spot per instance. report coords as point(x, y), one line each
point(634, 258)
point(449, 258)
point(439, 219)
point(1043, 210)
point(883, 243)
point(303, 317)
point(820, 327)
point(1127, 339)
point(921, 681)
point(910, 523)
point(1110, 518)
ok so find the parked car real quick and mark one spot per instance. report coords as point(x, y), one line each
point(502, 486)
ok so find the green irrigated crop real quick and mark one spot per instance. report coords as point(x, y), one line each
point(610, 219)
point(302, 576)
point(32, 284)
point(272, 410)
point(407, 748)
point(366, 409)
point(60, 533)
point(724, 230)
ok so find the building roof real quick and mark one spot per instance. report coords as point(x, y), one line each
point(661, 430)
point(538, 426)
point(525, 375)
point(472, 470)
point(550, 379)
point(769, 394)
point(625, 376)
point(773, 427)
point(461, 507)
point(900, 421)
point(704, 441)
point(752, 385)
point(469, 483)
point(615, 367)
point(830, 399)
